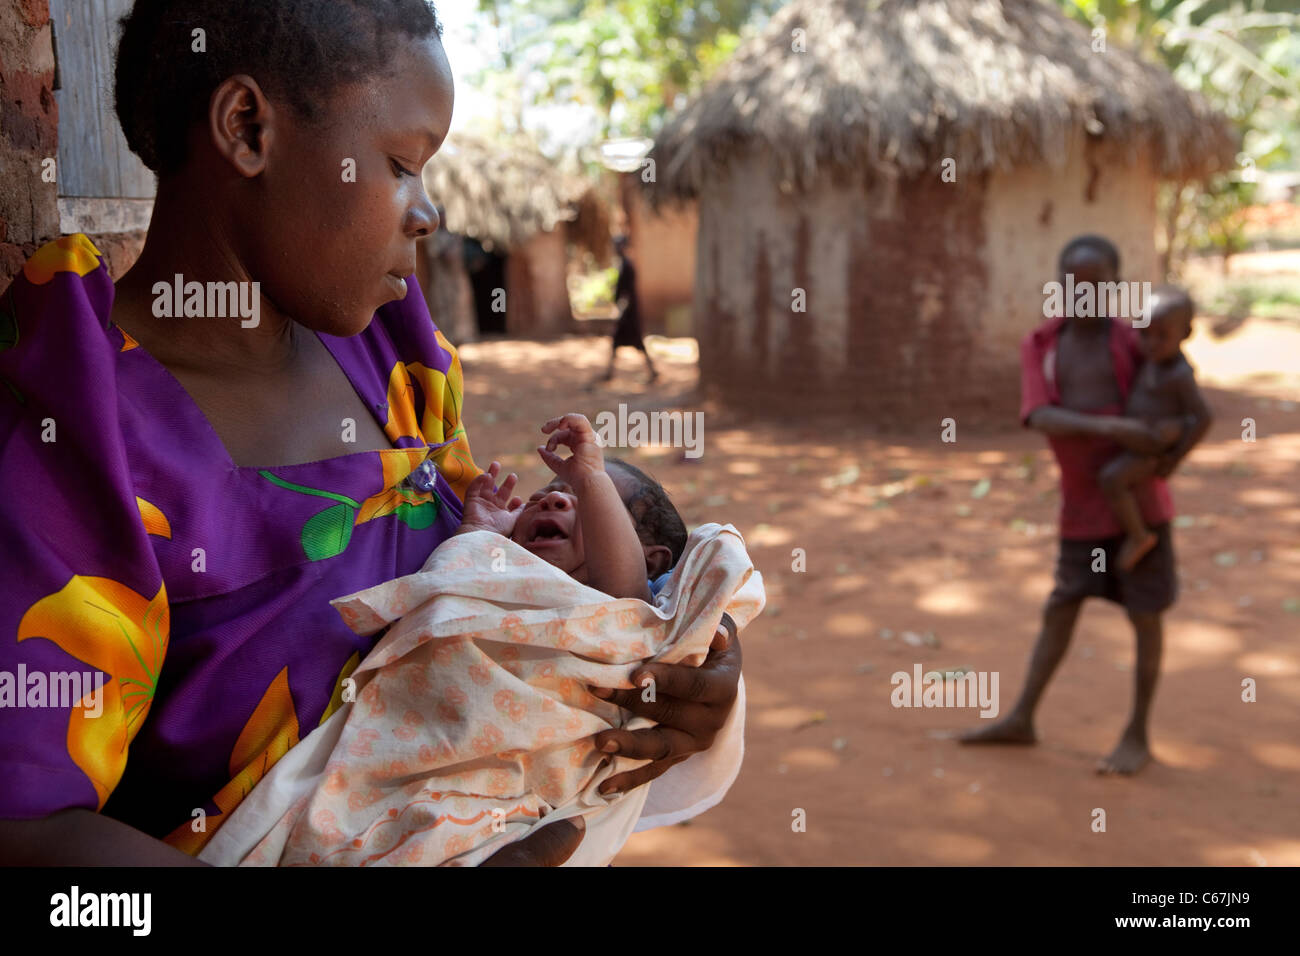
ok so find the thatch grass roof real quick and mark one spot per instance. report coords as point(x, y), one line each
point(893, 87)
point(500, 194)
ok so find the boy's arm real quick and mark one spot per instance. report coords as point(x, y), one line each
point(1130, 433)
point(1037, 410)
point(1199, 418)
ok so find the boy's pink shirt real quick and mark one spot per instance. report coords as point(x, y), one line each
point(1085, 515)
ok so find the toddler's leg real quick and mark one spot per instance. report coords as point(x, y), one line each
point(1118, 479)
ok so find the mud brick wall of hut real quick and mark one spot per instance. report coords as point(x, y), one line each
point(537, 293)
point(29, 121)
point(30, 207)
point(917, 294)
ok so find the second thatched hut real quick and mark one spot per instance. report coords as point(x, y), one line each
point(499, 263)
point(883, 188)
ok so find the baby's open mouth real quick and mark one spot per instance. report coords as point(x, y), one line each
point(547, 531)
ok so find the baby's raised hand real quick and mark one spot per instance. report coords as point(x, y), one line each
point(576, 432)
point(489, 508)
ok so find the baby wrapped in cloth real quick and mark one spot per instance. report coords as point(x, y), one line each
point(473, 720)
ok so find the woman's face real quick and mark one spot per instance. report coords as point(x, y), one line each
point(335, 213)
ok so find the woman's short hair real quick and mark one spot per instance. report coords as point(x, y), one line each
point(299, 51)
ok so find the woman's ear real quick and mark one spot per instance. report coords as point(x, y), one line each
point(658, 559)
point(241, 121)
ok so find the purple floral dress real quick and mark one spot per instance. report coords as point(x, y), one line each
point(137, 555)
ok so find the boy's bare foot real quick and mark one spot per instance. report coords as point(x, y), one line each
point(1128, 757)
point(1012, 730)
point(1134, 550)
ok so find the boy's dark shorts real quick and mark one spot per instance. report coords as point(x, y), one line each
point(1149, 588)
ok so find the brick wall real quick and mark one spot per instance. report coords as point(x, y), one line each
point(29, 118)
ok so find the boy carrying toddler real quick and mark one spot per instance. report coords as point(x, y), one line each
point(1078, 376)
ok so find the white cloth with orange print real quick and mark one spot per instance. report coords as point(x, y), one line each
point(472, 723)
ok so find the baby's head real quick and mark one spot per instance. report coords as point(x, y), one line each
point(1170, 311)
point(549, 525)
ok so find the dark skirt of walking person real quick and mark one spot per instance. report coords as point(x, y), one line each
point(628, 330)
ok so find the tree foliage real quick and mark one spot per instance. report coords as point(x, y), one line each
point(1243, 56)
point(628, 61)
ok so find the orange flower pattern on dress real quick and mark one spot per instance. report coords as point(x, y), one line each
point(75, 254)
point(107, 625)
point(155, 522)
point(436, 420)
point(267, 736)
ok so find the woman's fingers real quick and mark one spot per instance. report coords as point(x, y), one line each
point(631, 779)
point(549, 846)
point(713, 682)
point(678, 712)
point(663, 746)
point(649, 743)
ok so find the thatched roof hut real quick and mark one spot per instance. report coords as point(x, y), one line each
point(501, 194)
point(519, 205)
point(914, 166)
point(893, 87)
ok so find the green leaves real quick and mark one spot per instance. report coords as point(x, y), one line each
point(418, 517)
point(327, 534)
point(628, 60)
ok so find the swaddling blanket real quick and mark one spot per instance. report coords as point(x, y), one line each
point(472, 718)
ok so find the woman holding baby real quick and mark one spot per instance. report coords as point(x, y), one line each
point(184, 496)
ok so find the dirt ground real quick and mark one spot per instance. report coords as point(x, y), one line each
point(941, 554)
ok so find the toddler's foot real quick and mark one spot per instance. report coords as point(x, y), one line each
point(1134, 550)
point(1130, 756)
point(1012, 730)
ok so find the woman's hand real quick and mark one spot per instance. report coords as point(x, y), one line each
point(691, 705)
point(489, 508)
point(549, 846)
